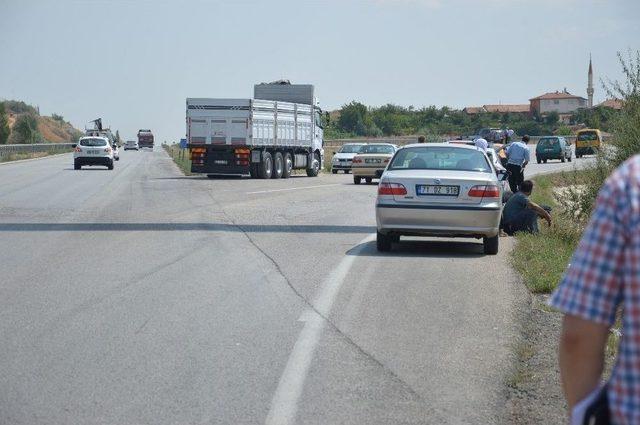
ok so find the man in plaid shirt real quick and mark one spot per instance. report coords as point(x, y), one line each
point(605, 274)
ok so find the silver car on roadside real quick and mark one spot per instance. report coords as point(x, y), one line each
point(440, 189)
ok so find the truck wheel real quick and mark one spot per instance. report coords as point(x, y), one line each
point(278, 165)
point(266, 166)
point(357, 180)
point(368, 180)
point(314, 167)
point(334, 171)
point(288, 166)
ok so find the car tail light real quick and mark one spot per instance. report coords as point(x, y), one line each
point(391, 189)
point(107, 150)
point(77, 149)
point(485, 191)
point(386, 160)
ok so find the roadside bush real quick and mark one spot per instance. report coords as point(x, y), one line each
point(25, 130)
point(4, 125)
point(580, 197)
point(57, 117)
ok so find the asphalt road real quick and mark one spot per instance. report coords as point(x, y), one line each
point(139, 296)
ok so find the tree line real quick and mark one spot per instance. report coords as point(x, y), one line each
point(358, 120)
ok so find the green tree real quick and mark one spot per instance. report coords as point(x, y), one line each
point(552, 118)
point(117, 137)
point(4, 125)
point(25, 130)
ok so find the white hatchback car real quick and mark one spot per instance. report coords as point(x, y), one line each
point(440, 189)
point(131, 144)
point(93, 150)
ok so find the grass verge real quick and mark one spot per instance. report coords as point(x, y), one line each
point(542, 259)
point(180, 157)
point(27, 155)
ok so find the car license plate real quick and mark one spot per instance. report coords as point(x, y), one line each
point(437, 190)
point(220, 162)
point(372, 161)
point(93, 152)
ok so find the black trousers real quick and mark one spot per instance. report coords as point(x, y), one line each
point(516, 177)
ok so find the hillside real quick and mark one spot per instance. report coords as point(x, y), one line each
point(26, 125)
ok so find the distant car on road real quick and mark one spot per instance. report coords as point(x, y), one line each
point(131, 144)
point(553, 147)
point(371, 160)
point(92, 151)
point(342, 160)
point(440, 189)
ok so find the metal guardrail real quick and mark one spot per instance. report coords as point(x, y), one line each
point(52, 148)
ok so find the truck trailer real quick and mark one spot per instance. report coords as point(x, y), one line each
point(263, 138)
point(145, 138)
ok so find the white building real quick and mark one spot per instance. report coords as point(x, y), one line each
point(561, 102)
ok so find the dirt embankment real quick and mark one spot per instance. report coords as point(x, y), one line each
point(53, 129)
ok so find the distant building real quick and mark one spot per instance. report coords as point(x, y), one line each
point(501, 109)
point(612, 103)
point(561, 102)
point(511, 109)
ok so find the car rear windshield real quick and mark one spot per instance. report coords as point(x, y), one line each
point(350, 149)
point(93, 142)
point(589, 135)
point(377, 149)
point(440, 158)
point(548, 142)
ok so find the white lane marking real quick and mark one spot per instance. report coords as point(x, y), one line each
point(293, 188)
point(284, 405)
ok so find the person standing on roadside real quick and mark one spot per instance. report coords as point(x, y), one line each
point(517, 159)
point(481, 144)
point(603, 276)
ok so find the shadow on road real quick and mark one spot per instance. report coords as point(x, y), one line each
point(172, 227)
point(422, 248)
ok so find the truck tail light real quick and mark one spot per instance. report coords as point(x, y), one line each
point(357, 161)
point(485, 191)
point(391, 189)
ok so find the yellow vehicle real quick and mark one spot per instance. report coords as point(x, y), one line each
point(588, 141)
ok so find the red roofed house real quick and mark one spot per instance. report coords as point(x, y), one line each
point(612, 103)
point(561, 102)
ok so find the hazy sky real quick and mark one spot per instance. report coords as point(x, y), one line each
point(133, 63)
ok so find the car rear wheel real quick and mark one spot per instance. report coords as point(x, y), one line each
point(278, 165)
point(491, 245)
point(357, 180)
point(563, 159)
point(76, 166)
point(110, 166)
point(539, 160)
point(383, 242)
point(545, 161)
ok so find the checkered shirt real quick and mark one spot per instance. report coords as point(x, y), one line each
point(604, 274)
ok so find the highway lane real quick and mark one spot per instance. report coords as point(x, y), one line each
point(141, 296)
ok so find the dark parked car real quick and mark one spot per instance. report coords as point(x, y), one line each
point(553, 147)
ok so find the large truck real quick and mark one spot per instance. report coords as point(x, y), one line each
point(145, 139)
point(277, 131)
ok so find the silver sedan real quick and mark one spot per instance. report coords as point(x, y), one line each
point(440, 189)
